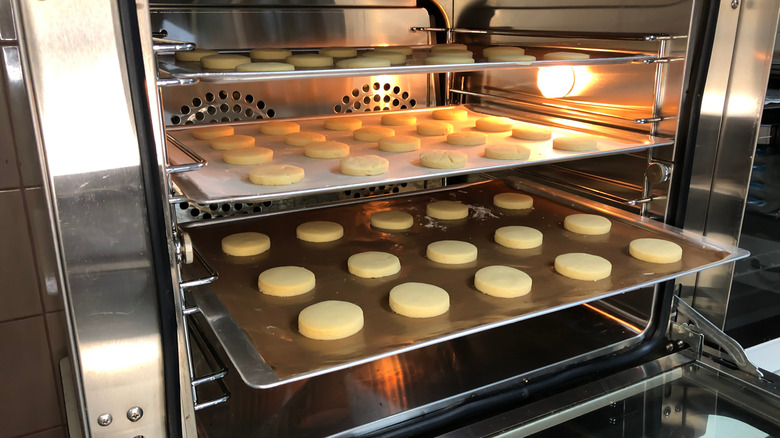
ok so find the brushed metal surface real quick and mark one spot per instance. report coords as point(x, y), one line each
point(220, 182)
point(7, 21)
point(98, 211)
point(267, 349)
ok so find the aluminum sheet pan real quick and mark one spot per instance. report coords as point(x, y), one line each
point(221, 182)
point(259, 332)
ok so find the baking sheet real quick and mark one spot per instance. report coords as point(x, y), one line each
point(221, 182)
point(259, 332)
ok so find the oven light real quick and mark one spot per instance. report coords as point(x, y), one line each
point(562, 80)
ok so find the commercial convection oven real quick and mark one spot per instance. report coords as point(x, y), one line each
point(171, 336)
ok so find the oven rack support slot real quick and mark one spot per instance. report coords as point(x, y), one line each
point(198, 161)
point(615, 36)
point(218, 369)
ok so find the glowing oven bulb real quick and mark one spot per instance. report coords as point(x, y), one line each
point(562, 80)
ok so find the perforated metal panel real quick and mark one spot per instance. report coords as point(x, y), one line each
point(377, 96)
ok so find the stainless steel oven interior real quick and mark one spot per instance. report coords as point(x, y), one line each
point(672, 90)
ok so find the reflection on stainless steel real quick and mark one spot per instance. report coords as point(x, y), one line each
point(285, 355)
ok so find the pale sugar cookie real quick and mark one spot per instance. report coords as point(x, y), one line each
point(303, 138)
point(194, 55)
point(363, 62)
point(209, 132)
point(309, 60)
point(326, 149)
point(229, 142)
point(513, 201)
point(466, 138)
point(372, 133)
point(495, 124)
point(246, 244)
point(286, 281)
point(507, 151)
point(443, 159)
point(223, 61)
point(278, 128)
point(342, 123)
point(392, 220)
point(450, 114)
point(447, 210)
point(582, 266)
point(502, 281)
point(531, 133)
point(655, 250)
point(364, 165)
point(429, 128)
point(399, 143)
point(265, 66)
point(329, 320)
point(590, 224)
point(419, 300)
point(319, 231)
point(373, 264)
point(451, 252)
point(399, 120)
point(338, 52)
point(275, 175)
point(518, 237)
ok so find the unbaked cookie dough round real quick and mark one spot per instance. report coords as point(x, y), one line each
point(582, 266)
point(443, 159)
point(303, 138)
point(395, 58)
point(373, 264)
point(502, 50)
point(326, 149)
point(399, 143)
point(339, 52)
point(419, 300)
point(513, 201)
point(275, 175)
point(502, 281)
point(224, 61)
point(466, 138)
point(507, 151)
point(209, 132)
point(567, 56)
point(399, 120)
point(364, 165)
point(229, 142)
point(265, 66)
point(518, 237)
point(406, 50)
point(372, 133)
point(447, 210)
point(429, 128)
point(446, 47)
point(363, 62)
point(495, 124)
point(248, 156)
point(342, 123)
point(278, 128)
point(575, 144)
point(511, 58)
point(286, 281)
point(448, 59)
point(319, 231)
point(246, 244)
point(269, 54)
point(194, 55)
point(392, 220)
point(655, 250)
point(450, 114)
point(330, 320)
point(309, 60)
point(531, 133)
point(590, 224)
point(451, 252)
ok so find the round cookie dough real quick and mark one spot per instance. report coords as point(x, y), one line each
point(406, 50)
point(399, 143)
point(309, 60)
point(575, 144)
point(265, 66)
point(194, 55)
point(338, 52)
point(342, 123)
point(502, 50)
point(419, 300)
point(399, 120)
point(451, 252)
point(502, 281)
point(372, 133)
point(286, 281)
point(466, 138)
point(248, 156)
point(209, 132)
point(364, 165)
point(461, 53)
point(363, 62)
point(531, 133)
point(392, 220)
point(275, 175)
point(518, 237)
point(443, 159)
point(395, 58)
point(278, 128)
point(269, 54)
point(590, 224)
point(445, 47)
point(450, 114)
point(511, 58)
point(246, 244)
point(582, 266)
point(513, 201)
point(495, 124)
point(447, 59)
point(229, 142)
point(303, 138)
point(224, 61)
point(326, 149)
point(655, 250)
point(373, 264)
point(319, 231)
point(429, 128)
point(564, 56)
point(329, 320)
point(507, 151)
point(447, 210)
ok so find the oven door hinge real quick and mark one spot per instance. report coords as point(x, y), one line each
point(699, 328)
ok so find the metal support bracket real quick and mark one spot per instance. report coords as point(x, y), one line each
point(700, 328)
